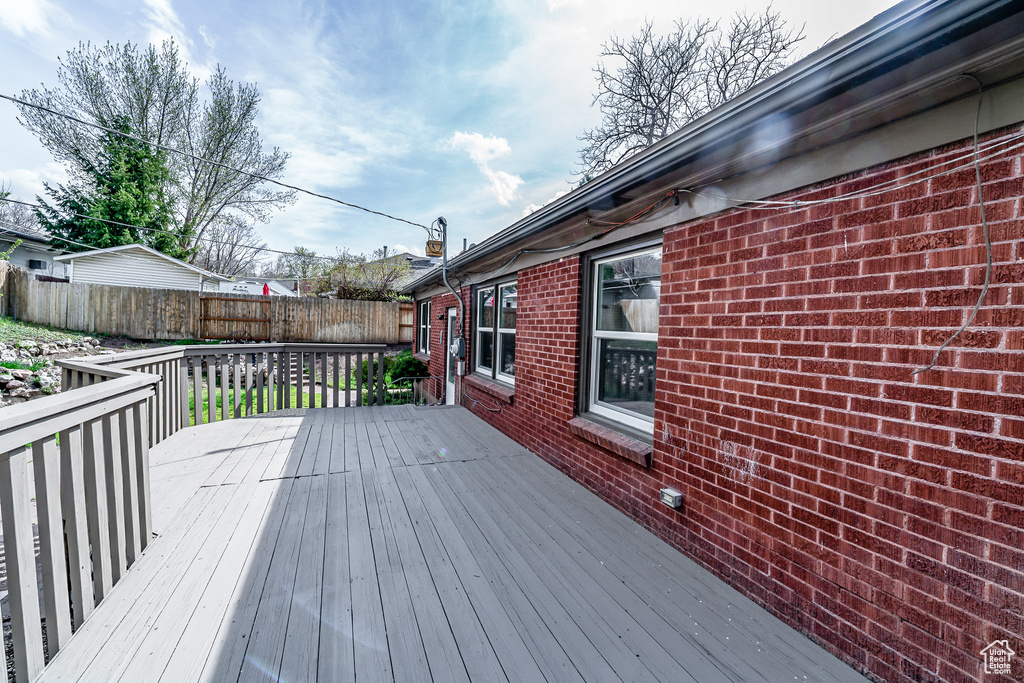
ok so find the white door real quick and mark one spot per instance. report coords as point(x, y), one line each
point(453, 362)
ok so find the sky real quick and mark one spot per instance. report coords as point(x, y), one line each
point(425, 108)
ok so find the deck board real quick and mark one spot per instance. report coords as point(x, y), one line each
point(410, 544)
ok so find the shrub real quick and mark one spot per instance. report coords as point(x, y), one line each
point(407, 365)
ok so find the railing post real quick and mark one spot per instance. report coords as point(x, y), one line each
point(348, 379)
point(359, 379)
point(130, 487)
point(72, 463)
point(46, 464)
point(211, 388)
point(23, 592)
point(259, 382)
point(96, 509)
point(141, 453)
point(115, 494)
point(183, 411)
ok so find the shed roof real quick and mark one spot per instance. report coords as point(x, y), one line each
point(148, 250)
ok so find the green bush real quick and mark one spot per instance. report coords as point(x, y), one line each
point(370, 373)
point(407, 365)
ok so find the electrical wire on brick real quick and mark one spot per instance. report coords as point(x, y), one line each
point(988, 242)
point(477, 401)
point(195, 157)
point(769, 205)
point(873, 190)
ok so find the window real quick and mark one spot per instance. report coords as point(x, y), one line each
point(496, 331)
point(35, 264)
point(423, 340)
point(626, 290)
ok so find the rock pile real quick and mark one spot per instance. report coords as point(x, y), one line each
point(22, 384)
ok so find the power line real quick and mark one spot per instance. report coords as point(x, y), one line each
point(174, 150)
point(161, 230)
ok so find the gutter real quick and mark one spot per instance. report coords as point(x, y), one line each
point(893, 39)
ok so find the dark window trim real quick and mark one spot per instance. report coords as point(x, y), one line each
point(491, 375)
point(586, 340)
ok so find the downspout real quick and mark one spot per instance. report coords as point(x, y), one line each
point(458, 345)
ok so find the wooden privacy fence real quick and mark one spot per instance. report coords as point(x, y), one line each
point(83, 456)
point(143, 313)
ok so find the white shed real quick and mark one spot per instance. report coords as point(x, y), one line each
point(136, 265)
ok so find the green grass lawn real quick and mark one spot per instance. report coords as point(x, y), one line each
point(269, 402)
point(12, 330)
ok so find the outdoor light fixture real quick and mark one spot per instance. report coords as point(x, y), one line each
point(672, 498)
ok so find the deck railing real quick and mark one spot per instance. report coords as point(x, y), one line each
point(414, 390)
point(83, 456)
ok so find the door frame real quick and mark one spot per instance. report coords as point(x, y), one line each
point(451, 362)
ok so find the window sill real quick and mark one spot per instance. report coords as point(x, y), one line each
point(624, 446)
point(503, 393)
point(425, 357)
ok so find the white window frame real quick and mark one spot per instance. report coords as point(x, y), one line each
point(423, 327)
point(495, 329)
point(607, 410)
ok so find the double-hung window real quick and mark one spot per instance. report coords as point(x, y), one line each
point(625, 291)
point(423, 320)
point(496, 331)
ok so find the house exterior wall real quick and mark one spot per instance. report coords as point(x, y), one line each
point(878, 511)
point(26, 252)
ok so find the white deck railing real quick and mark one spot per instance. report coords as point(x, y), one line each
point(83, 456)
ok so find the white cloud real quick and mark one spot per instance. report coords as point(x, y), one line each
point(555, 5)
point(163, 22)
point(482, 150)
point(23, 17)
point(530, 208)
point(208, 38)
point(401, 248)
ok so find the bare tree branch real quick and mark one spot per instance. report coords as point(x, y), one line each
point(653, 85)
point(162, 103)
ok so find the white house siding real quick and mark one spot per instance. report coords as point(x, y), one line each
point(131, 268)
point(26, 252)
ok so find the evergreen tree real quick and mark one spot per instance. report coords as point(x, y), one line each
point(126, 186)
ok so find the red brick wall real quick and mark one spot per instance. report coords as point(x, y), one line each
point(878, 511)
point(439, 341)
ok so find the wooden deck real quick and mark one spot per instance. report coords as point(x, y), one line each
point(409, 544)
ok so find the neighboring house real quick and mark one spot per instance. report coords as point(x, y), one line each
point(255, 286)
point(136, 265)
point(34, 254)
point(417, 266)
point(751, 340)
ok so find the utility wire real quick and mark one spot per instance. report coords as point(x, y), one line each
point(208, 240)
point(174, 150)
point(988, 242)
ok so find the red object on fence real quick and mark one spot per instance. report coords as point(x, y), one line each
point(266, 289)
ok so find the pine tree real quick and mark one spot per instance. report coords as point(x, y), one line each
point(124, 187)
